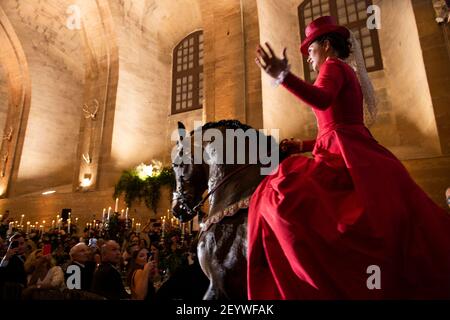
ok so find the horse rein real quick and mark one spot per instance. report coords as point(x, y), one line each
point(180, 195)
point(221, 183)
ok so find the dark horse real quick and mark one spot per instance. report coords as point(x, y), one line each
point(222, 243)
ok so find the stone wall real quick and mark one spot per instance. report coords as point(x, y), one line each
point(85, 205)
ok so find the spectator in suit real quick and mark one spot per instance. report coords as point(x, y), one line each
point(80, 255)
point(107, 279)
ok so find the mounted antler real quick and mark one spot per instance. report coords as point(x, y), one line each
point(4, 160)
point(8, 135)
point(87, 158)
point(88, 113)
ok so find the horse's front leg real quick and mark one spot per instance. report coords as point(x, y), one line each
point(206, 254)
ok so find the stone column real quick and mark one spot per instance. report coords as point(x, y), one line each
point(232, 82)
point(101, 55)
point(436, 56)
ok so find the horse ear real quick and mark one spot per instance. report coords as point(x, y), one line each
point(181, 130)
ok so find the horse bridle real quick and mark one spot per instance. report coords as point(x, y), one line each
point(180, 194)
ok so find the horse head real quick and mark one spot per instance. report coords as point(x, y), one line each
point(191, 178)
point(212, 157)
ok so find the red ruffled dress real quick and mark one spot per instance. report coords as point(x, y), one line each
point(349, 223)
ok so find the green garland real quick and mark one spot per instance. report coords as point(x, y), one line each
point(135, 188)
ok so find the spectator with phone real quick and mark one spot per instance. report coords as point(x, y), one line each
point(12, 271)
point(141, 274)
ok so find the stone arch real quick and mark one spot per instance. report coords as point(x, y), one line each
point(18, 92)
point(49, 138)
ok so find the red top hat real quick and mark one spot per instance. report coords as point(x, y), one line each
point(319, 27)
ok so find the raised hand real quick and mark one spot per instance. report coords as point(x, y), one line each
point(269, 62)
point(291, 146)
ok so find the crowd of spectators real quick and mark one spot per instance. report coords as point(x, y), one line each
point(58, 265)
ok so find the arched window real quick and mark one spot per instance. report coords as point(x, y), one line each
point(349, 13)
point(187, 74)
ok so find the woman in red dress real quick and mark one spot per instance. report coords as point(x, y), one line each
point(349, 223)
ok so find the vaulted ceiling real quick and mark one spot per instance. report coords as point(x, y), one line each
point(166, 20)
point(42, 24)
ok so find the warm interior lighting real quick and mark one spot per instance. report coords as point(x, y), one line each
point(86, 182)
point(48, 192)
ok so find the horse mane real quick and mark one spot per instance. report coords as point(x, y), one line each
point(228, 124)
point(234, 124)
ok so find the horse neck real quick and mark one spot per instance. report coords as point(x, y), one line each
point(237, 187)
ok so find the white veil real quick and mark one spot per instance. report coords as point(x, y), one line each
point(356, 61)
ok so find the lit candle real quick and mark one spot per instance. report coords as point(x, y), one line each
point(53, 224)
point(132, 223)
point(122, 213)
point(163, 227)
point(126, 214)
point(28, 226)
point(116, 208)
point(21, 220)
point(104, 215)
point(109, 213)
point(68, 225)
point(57, 219)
